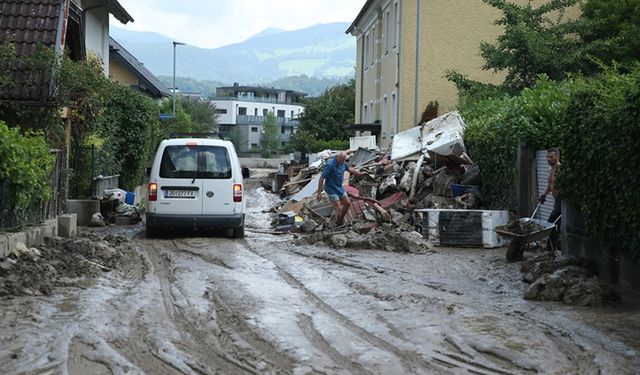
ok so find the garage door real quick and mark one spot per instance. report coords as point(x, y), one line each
point(542, 170)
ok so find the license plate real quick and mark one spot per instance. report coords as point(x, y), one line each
point(180, 194)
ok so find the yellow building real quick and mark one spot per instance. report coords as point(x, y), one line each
point(405, 47)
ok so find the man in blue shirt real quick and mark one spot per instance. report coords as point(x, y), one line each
point(332, 177)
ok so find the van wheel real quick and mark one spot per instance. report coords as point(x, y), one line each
point(152, 231)
point(238, 232)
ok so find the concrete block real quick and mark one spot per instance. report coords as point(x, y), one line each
point(84, 208)
point(4, 245)
point(67, 225)
point(15, 238)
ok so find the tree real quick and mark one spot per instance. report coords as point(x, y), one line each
point(202, 114)
point(269, 142)
point(616, 25)
point(180, 124)
point(324, 118)
point(235, 136)
point(535, 41)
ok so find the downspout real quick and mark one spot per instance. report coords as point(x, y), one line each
point(362, 76)
point(417, 77)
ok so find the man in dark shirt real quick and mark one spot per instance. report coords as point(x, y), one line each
point(331, 179)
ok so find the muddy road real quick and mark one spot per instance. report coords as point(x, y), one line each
point(208, 304)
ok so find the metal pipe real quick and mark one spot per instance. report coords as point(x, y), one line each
point(174, 76)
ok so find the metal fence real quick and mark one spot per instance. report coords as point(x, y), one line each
point(13, 217)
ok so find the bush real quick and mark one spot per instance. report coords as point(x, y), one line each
point(496, 128)
point(25, 167)
point(599, 164)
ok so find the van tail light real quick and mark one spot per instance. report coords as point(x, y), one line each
point(153, 192)
point(237, 192)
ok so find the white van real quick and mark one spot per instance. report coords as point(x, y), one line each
point(195, 183)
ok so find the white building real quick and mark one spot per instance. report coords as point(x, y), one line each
point(247, 107)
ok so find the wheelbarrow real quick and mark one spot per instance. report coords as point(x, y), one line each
point(519, 241)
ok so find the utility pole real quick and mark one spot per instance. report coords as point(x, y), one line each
point(173, 90)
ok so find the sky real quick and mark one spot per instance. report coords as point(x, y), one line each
point(216, 23)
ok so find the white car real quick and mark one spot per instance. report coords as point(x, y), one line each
point(196, 183)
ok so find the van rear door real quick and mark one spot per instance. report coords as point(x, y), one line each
point(217, 181)
point(179, 186)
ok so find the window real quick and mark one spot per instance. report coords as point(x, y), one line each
point(221, 111)
point(386, 32)
point(364, 115)
point(254, 145)
point(394, 115)
point(254, 129)
point(396, 24)
point(282, 130)
point(291, 114)
point(242, 111)
point(210, 162)
point(255, 111)
point(372, 51)
point(281, 113)
point(265, 112)
point(367, 42)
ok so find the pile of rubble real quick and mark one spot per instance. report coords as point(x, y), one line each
point(60, 262)
point(566, 279)
point(426, 167)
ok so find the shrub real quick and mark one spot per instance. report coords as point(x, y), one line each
point(598, 173)
point(25, 167)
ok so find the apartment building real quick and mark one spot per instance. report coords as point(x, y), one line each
point(246, 108)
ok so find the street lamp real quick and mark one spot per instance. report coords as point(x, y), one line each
point(174, 76)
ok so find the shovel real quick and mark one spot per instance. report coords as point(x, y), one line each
point(528, 219)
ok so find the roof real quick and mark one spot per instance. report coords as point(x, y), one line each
point(147, 81)
point(118, 11)
point(270, 90)
point(30, 22)
point(363, 11)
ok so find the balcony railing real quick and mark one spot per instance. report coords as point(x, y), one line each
point(254, 99)
point(258, 120)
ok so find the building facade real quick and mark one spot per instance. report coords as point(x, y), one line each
point(246, 108)
point(404, 49)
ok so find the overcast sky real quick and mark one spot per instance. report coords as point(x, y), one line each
point(215, 23)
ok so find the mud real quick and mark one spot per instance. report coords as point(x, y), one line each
point(520, 227)
point(566, 279)
point(387, 238)
point(64, 262)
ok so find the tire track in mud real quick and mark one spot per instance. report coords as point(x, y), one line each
point(582, 359)
point(305, 323)
point(410, 359)
point(254, 355)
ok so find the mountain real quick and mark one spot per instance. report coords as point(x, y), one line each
point(320, 51)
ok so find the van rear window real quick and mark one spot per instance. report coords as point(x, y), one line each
point(207, 162)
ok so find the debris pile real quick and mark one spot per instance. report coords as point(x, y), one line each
point(566, 279)
point(61, 262)
point(426, 167)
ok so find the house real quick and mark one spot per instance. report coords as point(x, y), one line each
point(126, 69)
point(76, 27)
point(405, 47)
point(246, 108)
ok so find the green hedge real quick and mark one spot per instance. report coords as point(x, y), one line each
point(496, 128)
point(600, 164)
point(25, 167)
point(595, 123)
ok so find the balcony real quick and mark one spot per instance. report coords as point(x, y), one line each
point(255, 100)
point(258, 120)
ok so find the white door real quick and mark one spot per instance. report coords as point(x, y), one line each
point(217, 181)
point(542, 170)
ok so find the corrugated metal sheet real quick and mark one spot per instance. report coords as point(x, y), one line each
point(542, 169)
